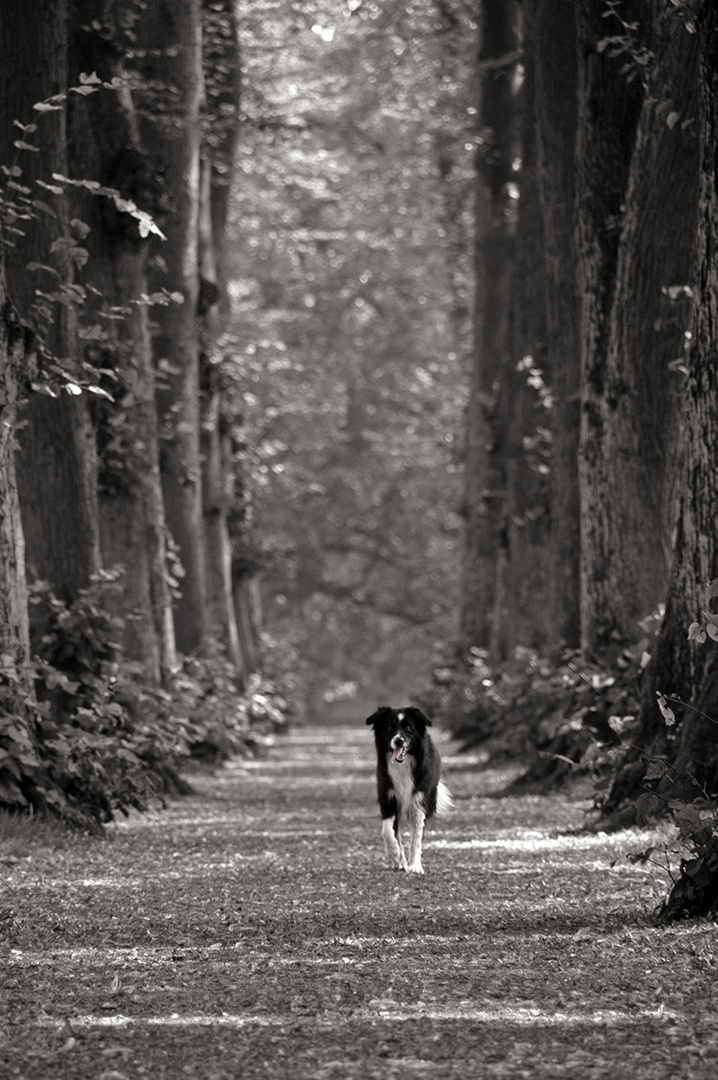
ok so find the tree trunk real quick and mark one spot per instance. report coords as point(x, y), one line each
point(521, 603)
point(493, 251)
point(632, 330)
point(698, 739)
point(14, 627)
point(217, 466)
point(680, 667)
point(133, 532)
point(172, 34)
point(553, 38)
point(57, 466)
point(608, 111)
point(230, 609)
point(647, 328)
point(217, 488)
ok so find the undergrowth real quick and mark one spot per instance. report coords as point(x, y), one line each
point(565, 717)
point(93, 740)
point(572, 720)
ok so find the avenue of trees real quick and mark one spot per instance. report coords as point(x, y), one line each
point(401, 314)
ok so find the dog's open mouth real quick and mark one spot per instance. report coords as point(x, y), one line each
point(398, 753)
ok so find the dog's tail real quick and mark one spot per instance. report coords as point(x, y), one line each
point(444, 799)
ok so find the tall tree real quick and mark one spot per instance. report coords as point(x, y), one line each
point(117, 332)
point(170, 64)
point(222, 66)
point(57, 466)
point(684, 665)
point(15, 364)
point(493, 250)
point(551, 38)
point(637, 154)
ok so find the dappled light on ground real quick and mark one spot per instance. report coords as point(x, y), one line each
point(389, 1010)
point(252, 930)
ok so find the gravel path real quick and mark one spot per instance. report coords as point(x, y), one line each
point(253, 931)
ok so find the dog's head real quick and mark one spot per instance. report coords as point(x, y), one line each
point(397, 731)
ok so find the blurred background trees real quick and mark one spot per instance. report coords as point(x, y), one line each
point(350, 347)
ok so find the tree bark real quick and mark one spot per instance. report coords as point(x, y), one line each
point(520, 600)
point(493, 251)
point(636, 157)
point(553, 37)
point(172, 35)
point(132, 522)
point(222, 81)
point(608, 114)
point(57, 466)
point(679, 667)
point(698, 737)
point(647, 329)
point(15, 365)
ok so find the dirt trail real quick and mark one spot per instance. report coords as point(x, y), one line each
point(253, 931)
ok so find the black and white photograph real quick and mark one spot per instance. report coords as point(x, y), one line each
point(358, 539)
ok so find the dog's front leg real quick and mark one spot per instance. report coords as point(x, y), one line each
point(392, 845)
point(417, 821)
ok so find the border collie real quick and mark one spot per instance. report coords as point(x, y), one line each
point(408, 774)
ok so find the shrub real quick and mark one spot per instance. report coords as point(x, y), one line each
point(97, 741)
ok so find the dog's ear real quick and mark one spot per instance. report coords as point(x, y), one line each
point(378, 714)
point(418, 716)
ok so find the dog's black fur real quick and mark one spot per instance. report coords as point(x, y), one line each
point(409, 782)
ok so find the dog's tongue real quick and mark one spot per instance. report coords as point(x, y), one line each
point(397, 751)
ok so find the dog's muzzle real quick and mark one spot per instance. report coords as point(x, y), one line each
point(398, 748)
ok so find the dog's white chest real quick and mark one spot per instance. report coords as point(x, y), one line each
point(403, 781)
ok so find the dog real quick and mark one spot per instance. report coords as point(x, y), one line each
point(409, 784)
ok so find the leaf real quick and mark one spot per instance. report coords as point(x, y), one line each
point(22, 145)
point(80, 228)
point(10, 793)
point(688, 819)
point(666, 711)
point(710, 618)
point(41, 266)
point(712, 589)
point(79, 255)
point(636, 857)
point(100, 392)
point(91, 333)
point(62, 242)
point(657, 767)
point(90, 185)
point(44, 388)
point(46, 209)
point(54, 188)
point(712, 631)
point(696, 633)
point(45, 106)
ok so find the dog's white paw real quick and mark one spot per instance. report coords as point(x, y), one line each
point(415, 868)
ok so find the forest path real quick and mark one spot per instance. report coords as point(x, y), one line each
point(253, 931)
